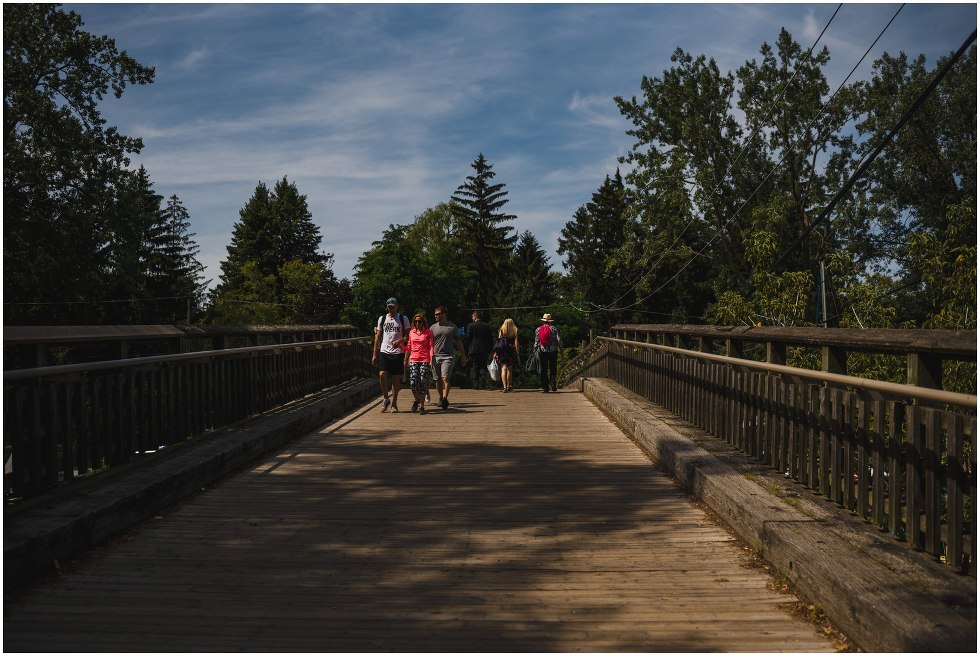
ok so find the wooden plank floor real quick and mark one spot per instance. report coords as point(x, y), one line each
point(511, 522)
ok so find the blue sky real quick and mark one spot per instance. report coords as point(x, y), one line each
point(376, 111)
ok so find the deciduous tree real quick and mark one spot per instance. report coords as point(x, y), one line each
point(62, 163)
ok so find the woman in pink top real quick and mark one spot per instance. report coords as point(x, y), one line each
point(421, 352)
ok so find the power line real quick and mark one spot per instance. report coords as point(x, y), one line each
point(99, 302)
point(923, 95)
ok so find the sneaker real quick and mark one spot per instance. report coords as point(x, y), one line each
point(422, 411)
point(394, 408)
point(444, 403)
point(428, 399)
point(384, 405)
point(415, 407)
point(554, 388)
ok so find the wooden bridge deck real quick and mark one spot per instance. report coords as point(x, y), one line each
point(511, 522)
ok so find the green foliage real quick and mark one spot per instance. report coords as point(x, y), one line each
point(253, 301)
point(482, 236)
point(775, 299)
point(531, 275)
point(589, 241)
point(174, 273)
point(63, 166)
point(721, 198)
point(274, 272)
point(399, 266)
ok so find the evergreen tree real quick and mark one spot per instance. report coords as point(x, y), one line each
point(294, 235)
point(531, 274)
point(274, 265)
point(251, 240)
point(175, 274)
point(483, 238)
point(135, 230)
point(588, 242)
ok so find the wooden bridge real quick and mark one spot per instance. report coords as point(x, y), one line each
point(510, 522)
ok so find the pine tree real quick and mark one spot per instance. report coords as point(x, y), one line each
point(532, 274)
point(274, 264)
point(174, 272)
point(589, 240)
point(294, 235)
point(483, 237)
point(274, 228)
point(135, 226)
point(251, 240)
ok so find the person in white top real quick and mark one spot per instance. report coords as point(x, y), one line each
point(390, 338)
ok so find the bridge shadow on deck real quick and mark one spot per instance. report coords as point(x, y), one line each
point(406, 537)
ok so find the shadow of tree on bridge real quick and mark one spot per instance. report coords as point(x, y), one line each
point(360, 539)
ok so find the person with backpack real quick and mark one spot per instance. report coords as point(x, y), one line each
point(390, 338)
point(548, 344)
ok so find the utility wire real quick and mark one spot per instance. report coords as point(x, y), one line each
point(877, 150)
point(98, 302)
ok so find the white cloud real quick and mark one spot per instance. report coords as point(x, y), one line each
point(193, 58)
point(598, 110)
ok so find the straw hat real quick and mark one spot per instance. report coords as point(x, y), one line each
point(547, 317)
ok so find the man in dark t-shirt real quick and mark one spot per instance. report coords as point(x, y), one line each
point(479, 341)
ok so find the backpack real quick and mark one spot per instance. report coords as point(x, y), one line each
point(399, 318)
point(545, 336)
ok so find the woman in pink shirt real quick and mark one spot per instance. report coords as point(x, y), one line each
point(421, 352)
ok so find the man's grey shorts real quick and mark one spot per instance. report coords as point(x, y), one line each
point(444, 367)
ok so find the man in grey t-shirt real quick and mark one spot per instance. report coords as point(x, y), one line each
point(446, 339)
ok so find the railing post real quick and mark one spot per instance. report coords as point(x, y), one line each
point(776, 353)
point(834, 360)
point(925, 370)
point(734, 348)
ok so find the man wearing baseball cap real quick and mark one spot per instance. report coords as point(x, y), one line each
point(390, 337)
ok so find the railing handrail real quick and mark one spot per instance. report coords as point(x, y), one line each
point(73, 334)
point(952, 344)
point(891, 389)
point(128, 363)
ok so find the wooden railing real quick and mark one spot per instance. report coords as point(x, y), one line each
point(68, 422)
point(27, 347)
point(901, 456)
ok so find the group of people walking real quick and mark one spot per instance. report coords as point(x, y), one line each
point(423, 349)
